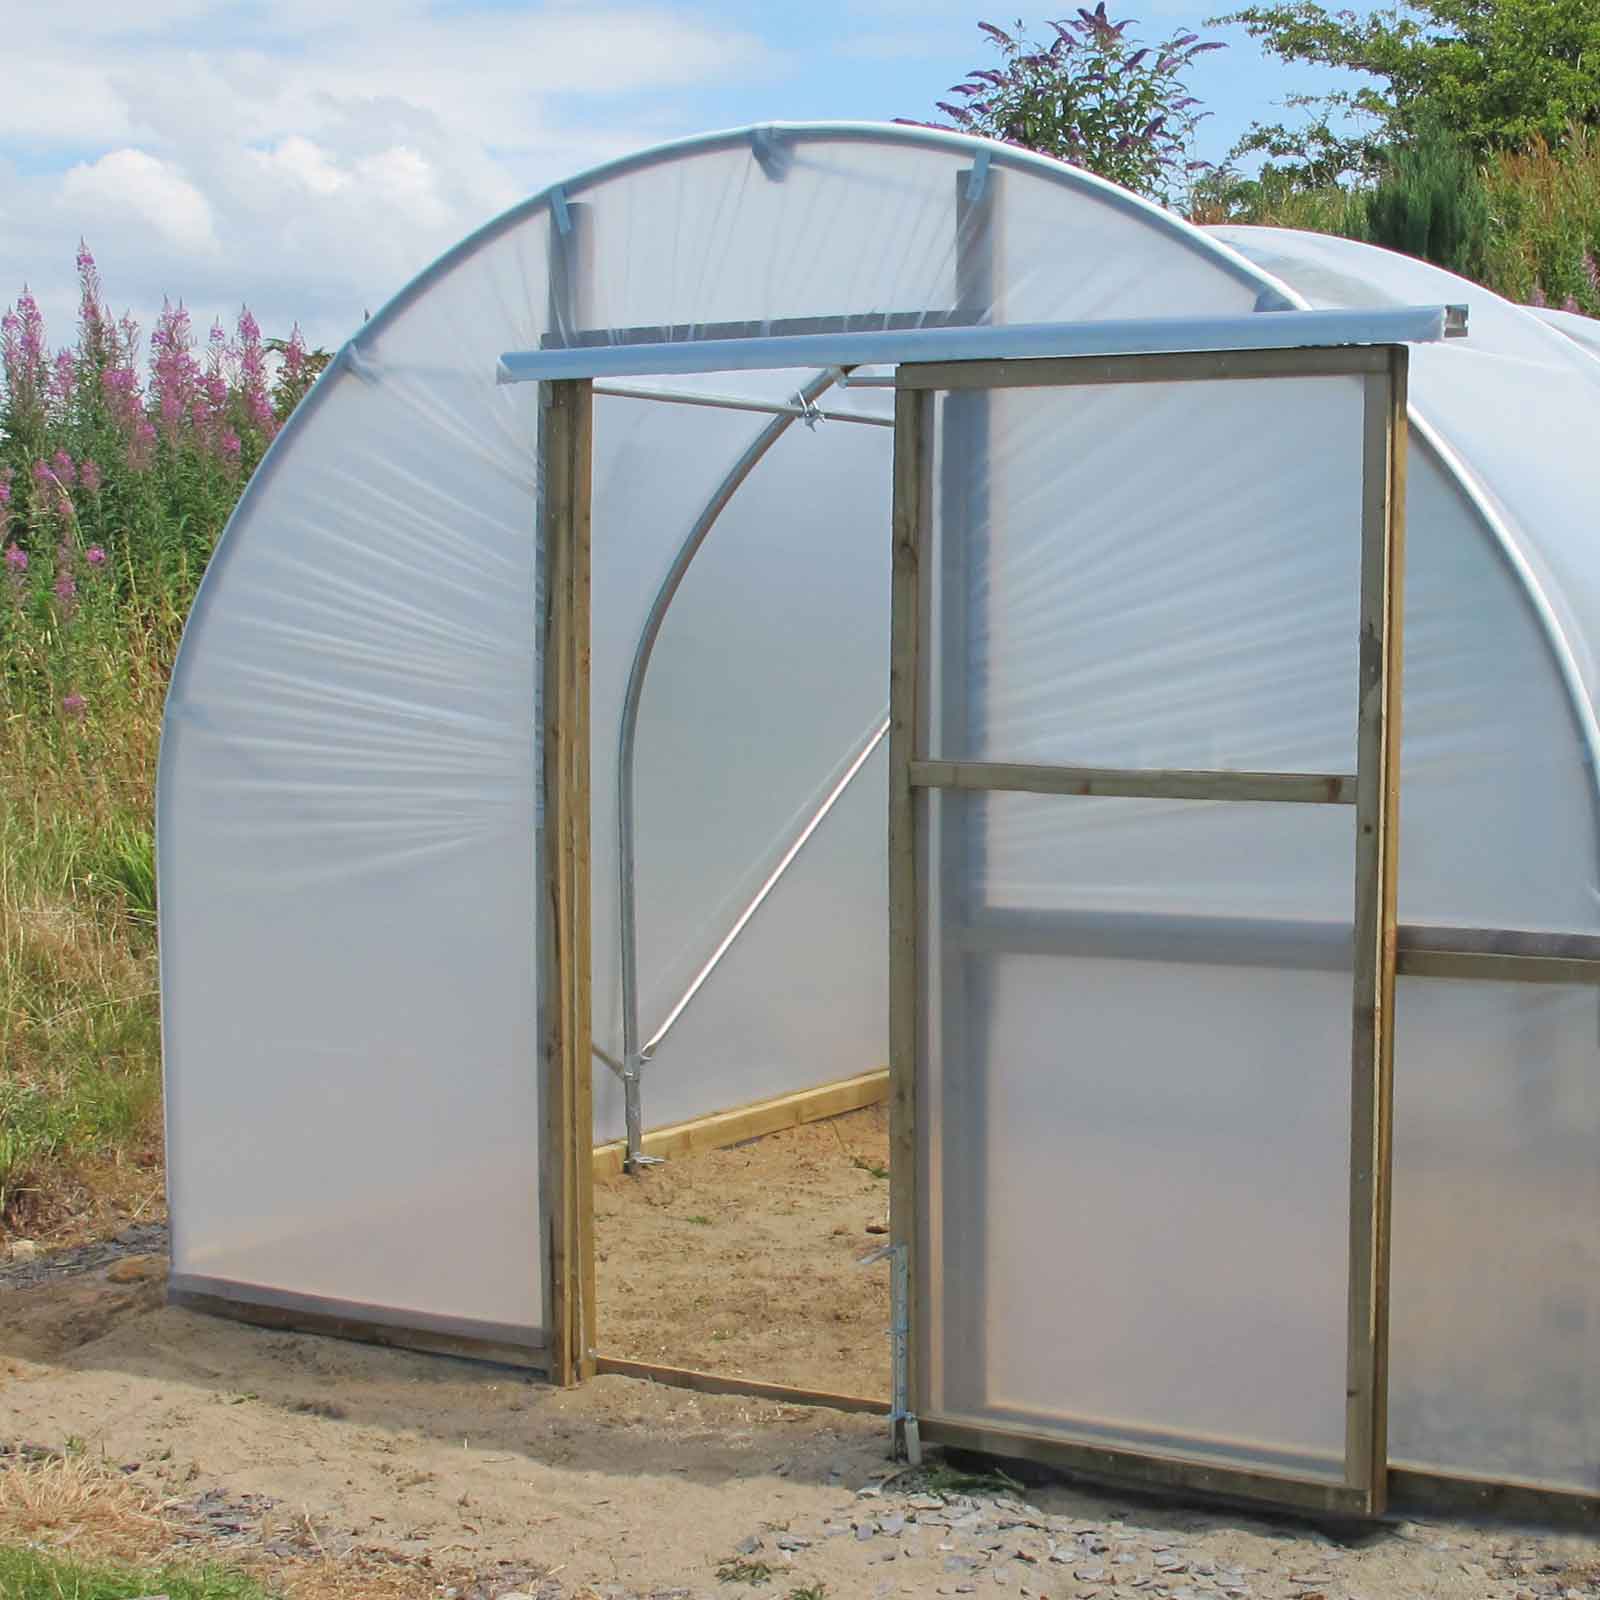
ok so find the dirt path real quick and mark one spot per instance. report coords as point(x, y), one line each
point(493, 1484)
point(411, 1475)
point(748, 1261)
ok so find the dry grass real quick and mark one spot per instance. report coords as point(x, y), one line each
point(79, 1011)
point(76, 1505)
point(72, 1500)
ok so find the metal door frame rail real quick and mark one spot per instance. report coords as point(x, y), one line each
point(1373, 790)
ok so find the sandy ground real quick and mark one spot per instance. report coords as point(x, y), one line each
point(634, 1489)
point(748, 1261)
point(409, 1475)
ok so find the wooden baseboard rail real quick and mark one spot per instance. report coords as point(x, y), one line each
point(724, 1128)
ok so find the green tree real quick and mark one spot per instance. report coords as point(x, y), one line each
point(1092, 96)
point(1487, 74)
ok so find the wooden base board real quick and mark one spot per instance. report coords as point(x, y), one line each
point(725, 1128)
point(363, 1330)
point(715, 1383)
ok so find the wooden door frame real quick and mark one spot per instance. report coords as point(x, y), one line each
point(1373, 789)
point(566, 437)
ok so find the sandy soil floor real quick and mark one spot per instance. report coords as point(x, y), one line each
point(477, 1483)
point(344, 1470)
point(748, 1261)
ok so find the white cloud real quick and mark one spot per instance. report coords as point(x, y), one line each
point(310, 157)
point(135, 187)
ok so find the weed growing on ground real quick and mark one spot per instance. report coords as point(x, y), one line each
point(34, 1575)
point(737, 1569)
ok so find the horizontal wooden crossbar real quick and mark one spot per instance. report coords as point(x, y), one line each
point(1060, 372)
point(755, 1388)
point(723, 1128)
point(1505, 955)
point(268, 1308)
point(1497, 955)
point(1311, 788)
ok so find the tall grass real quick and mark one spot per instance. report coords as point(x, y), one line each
point(116, 477)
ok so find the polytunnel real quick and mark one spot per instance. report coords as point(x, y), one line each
point(537, 702)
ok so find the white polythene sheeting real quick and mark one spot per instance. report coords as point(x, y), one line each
point(347, 804)
point(348, 777)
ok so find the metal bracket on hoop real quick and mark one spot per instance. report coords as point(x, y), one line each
point(905, 1438)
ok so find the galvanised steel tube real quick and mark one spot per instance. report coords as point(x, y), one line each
point(632, 1060)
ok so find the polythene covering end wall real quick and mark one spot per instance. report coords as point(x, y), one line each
point(347, 805)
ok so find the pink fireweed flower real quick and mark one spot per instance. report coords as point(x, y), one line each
point(89, 474)
point(230, 445)
point(66, 473)
point(5, 487)
point(63, 377)
point(22, 353)
point(142, 446)
point(253, 373)
point(96, 332)
point(95, 555)
point(16, 558)
point(294, 354)
point(66, 587)
point(74, 704)
point(174, 373)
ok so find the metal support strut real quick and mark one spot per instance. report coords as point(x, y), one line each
point(905, 1437)
point(633, 1056)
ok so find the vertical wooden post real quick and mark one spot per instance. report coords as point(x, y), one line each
point(564, 982)
point(1377, 815)
point(911, 478)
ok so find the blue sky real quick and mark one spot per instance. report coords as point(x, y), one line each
point(309, 156)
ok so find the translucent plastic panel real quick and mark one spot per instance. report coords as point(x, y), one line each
point(1495, 1305)
point(800, 997)
point(655, 467)
point(1497, 811)
point(769, 679)
point(346, 849)
point(1151, 575)
point(1536, 484)
point(1137, 1136)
